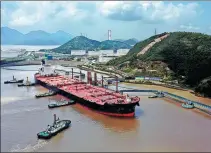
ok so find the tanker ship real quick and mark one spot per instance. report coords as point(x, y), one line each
point(93, 97)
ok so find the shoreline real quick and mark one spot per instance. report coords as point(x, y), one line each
point(162, 85)
point(185, 94)
point(156, 84)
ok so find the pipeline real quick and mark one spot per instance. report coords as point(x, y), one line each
point(198, 105)
point(135, 90)
point(69, 71)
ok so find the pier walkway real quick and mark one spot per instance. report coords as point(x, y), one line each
point(203, 107)
point(69, 71)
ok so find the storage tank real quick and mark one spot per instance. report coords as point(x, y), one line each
point(50, 57)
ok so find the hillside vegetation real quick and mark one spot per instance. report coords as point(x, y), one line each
point(131, 41)
point(186, 54)
point(204, 87)
point(84, 43)
point(108, 44)
point(131, 55)
point(77, 43)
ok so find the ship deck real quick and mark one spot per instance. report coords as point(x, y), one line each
point(89, 92)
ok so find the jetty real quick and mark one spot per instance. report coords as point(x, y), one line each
point(203, 107)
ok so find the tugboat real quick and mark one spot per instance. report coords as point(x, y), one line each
point(153, 96)
point(60, 103)
point(52, 130)
point(50, 93)
point(28, 83)
point(188, 105)
point(158, 94)
point(14, 80)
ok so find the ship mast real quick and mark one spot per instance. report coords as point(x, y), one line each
point(116, 83)
point(54, 118)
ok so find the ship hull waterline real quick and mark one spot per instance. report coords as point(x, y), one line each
point(128, 111)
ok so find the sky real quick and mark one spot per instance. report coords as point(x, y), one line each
point(125, 19)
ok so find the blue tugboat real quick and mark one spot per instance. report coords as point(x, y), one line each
point(188, 105)
point(52, 130)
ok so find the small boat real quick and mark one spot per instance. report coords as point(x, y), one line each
point(60, 103)
point(52, 130)
point(153, 96)
point(188, 105)
point(159, 94)
point(50, 93)
point(13, 81)
point(26, 84)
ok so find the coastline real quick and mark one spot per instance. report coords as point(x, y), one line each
point(162, 85)
point(179, 87)
point(186, 93)
point(151, 83)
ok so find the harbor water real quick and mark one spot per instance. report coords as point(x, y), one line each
point(159, 124)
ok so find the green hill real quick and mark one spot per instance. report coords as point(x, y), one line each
point(132, 41)
point(77, 43)
point(187, 54)
point(84, 43)
point(133, 51)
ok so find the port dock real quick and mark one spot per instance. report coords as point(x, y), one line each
point(176, 98)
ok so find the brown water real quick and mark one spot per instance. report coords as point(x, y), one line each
point(159, 125)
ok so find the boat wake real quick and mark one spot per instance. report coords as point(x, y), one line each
point(30, 148)
point(15, 111)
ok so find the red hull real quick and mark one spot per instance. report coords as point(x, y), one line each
point(111, 114)
point(94, 98)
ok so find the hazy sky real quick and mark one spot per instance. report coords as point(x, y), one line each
point(126, 19)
